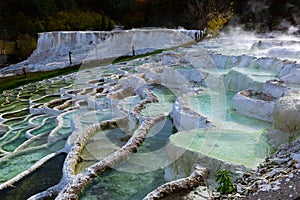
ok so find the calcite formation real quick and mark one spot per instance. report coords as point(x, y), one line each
point(256, 106)
point(287, 113)
point(53, 48)
point(103, 117)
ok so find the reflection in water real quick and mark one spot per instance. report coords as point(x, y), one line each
point(41, 179)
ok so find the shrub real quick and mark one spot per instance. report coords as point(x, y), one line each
point(224, 179)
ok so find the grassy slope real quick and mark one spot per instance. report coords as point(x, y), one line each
point(19, 79)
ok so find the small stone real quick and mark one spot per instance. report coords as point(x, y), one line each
point(296, 157)
point(290, 163)
point(278, 161)
point(259, 182)
point(239, 188)
point(266, 187)
point(276, 187)
point(248, 188)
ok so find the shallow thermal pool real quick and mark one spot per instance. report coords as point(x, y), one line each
point(236, 138)
point(285, 47)
point(165, 97)
point(128, 184)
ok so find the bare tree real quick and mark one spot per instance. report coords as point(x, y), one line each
point(195, 14)
point(213, 14)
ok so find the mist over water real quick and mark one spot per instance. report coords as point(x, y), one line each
point(236, 41)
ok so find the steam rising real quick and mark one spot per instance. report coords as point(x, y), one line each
point(274, 44)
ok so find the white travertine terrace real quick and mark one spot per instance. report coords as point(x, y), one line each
point(118, 96)
point(53, 47)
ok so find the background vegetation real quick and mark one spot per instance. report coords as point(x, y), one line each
point(21, 20)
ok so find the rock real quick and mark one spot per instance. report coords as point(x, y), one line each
point(247, 93)
point(3, 128)
point(278, 161)
point(270, 64)
point(275, 88)
point(135, 81)
point(152, 72)
point(175, 81)
point(287, 113)
point(296, 157)
point(193, 75)
point(186, 119)
point(290, 73)
point(238, 80)
point(224, 62)
point(274, 172)
point(266, 97)
point(239, 188)
point(169, 59)
point(252, 107)
point(276, 179)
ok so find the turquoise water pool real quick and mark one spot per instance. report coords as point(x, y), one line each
point(126, 183)
point(166, 98)
point(235, 138)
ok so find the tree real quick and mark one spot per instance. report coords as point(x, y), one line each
point(196, 14)
point(211, 14)
point(218, 16)
point(23, 48)
point(15, 55)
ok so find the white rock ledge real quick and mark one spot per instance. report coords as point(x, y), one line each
point(183, 166)
point(53, 47)
point(287, 113)
point(185, 118)
point(253, 107)
point(275, 88)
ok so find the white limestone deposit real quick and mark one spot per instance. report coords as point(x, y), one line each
point(287, 113)
point(208, 103)
point(53, 48)
point(256, 108)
